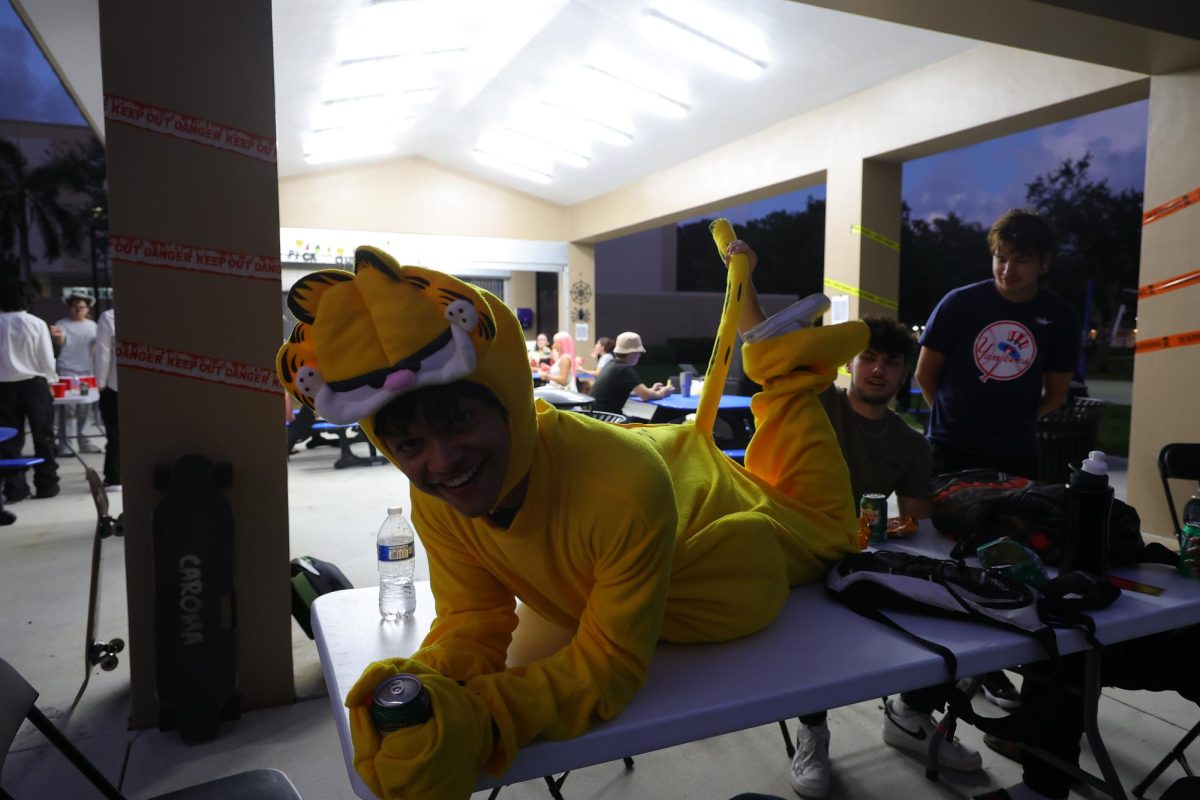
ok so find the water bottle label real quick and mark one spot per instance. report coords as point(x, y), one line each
point(396, 552)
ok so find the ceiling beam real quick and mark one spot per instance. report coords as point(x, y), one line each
point(1151, 38)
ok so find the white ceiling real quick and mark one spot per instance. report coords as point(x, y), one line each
point(507, 55)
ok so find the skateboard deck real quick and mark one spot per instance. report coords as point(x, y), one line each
point(96, 651)
point(195, 612)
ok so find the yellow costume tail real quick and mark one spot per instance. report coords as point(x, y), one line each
point(718, 363)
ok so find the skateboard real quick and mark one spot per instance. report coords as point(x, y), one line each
point(97, 651)
point(195, 618)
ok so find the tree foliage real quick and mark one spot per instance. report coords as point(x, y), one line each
point(790, 246)
point(54, 198)
point(1099, 234)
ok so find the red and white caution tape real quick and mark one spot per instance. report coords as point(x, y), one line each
point(185, 126)
point(194, 259)
point(152, 358)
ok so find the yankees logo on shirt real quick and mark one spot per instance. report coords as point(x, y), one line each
point(1004, 351)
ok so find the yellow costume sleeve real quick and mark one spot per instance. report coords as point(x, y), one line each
point(476, 614)
point(628, 551)
point(437, 759)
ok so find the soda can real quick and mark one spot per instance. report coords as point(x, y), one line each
point(872, 510)
point(1191, 531)
point(400, 702)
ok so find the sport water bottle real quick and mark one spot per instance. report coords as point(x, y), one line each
point(396, 549)
point(1088, 506)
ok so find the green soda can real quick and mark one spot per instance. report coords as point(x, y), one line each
point(400, 702)
point(1191, 530)
point(872, 510)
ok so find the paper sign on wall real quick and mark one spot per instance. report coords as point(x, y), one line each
point(582, 333)
point(839, 309)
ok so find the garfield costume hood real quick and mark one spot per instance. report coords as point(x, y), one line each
point(365, 338)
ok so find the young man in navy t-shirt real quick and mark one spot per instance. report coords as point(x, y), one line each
point(998, 354)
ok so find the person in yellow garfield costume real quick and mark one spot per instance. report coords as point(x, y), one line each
point(675, 542)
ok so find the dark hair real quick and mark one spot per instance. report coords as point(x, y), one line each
point(1025, 232)
point(607, 343)
point(437, 405)
point(16, 295)
point(889, 337)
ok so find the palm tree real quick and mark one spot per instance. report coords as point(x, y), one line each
point(30, 199)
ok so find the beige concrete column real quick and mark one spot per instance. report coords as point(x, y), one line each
point(862, 226)
point(578, 301)
point(1166, 381)
point(193, 191)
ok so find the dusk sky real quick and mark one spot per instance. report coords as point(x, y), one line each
point(978, 183)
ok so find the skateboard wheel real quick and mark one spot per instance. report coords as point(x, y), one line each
point(108, 663)
point(162, 477)
point(223, 475)
point(117, 645)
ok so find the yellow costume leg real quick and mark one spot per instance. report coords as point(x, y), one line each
point(794, 447)
point(728, 580)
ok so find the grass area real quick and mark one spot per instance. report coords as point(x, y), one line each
point(1113, 438)
point(1118, 368)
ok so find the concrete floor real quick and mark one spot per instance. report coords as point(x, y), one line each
point(44, 561)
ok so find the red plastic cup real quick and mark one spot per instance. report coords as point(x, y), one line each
point(90, 380)
point(59, 389)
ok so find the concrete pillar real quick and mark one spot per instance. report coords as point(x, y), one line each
point(578, 296)
point(194, 212)
point(1167, 380)
point(862, 231)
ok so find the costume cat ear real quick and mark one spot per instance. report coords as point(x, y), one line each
point(305, 296)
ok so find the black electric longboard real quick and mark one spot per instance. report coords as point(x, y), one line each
point(98, 652)
point(195, 613)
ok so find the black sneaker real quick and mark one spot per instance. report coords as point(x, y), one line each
point(47, 492)
point(7, 517)
point(999, 691)
point(17, 496)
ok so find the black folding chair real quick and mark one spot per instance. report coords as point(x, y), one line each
point(17, 699)
point(1179, 461)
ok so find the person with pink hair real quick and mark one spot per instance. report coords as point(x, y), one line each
point(561, 372)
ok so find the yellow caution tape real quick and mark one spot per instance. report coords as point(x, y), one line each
point(867, 233)
point(865, 295)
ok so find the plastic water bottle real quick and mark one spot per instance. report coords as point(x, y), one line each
point(397, 553)
point(1088, 505)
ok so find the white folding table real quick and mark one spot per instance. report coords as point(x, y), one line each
point(816, 655)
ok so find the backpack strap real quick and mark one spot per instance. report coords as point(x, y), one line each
point(1065, 599)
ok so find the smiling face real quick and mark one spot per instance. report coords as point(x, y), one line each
point(1016, 274)
point(460, 460)
point(875, 376)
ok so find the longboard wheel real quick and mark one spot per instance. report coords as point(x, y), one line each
point(117, 645)
point(108, 663)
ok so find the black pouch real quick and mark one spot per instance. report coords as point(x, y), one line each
point(311, 578)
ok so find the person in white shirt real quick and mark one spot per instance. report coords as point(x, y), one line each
point(76, 360)
point(26, 372)
point(106, 379)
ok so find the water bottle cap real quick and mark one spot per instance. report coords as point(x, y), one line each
point(395, 510)
point(1095, 463)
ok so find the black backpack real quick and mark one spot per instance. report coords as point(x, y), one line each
point(870, 581)
point(975, 506)
point(311, 578)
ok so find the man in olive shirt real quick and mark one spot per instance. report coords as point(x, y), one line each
point(884, 455)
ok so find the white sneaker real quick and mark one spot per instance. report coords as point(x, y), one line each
point(911, 730)
point(87, 447)
point(810, 767)
point(800, 314)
